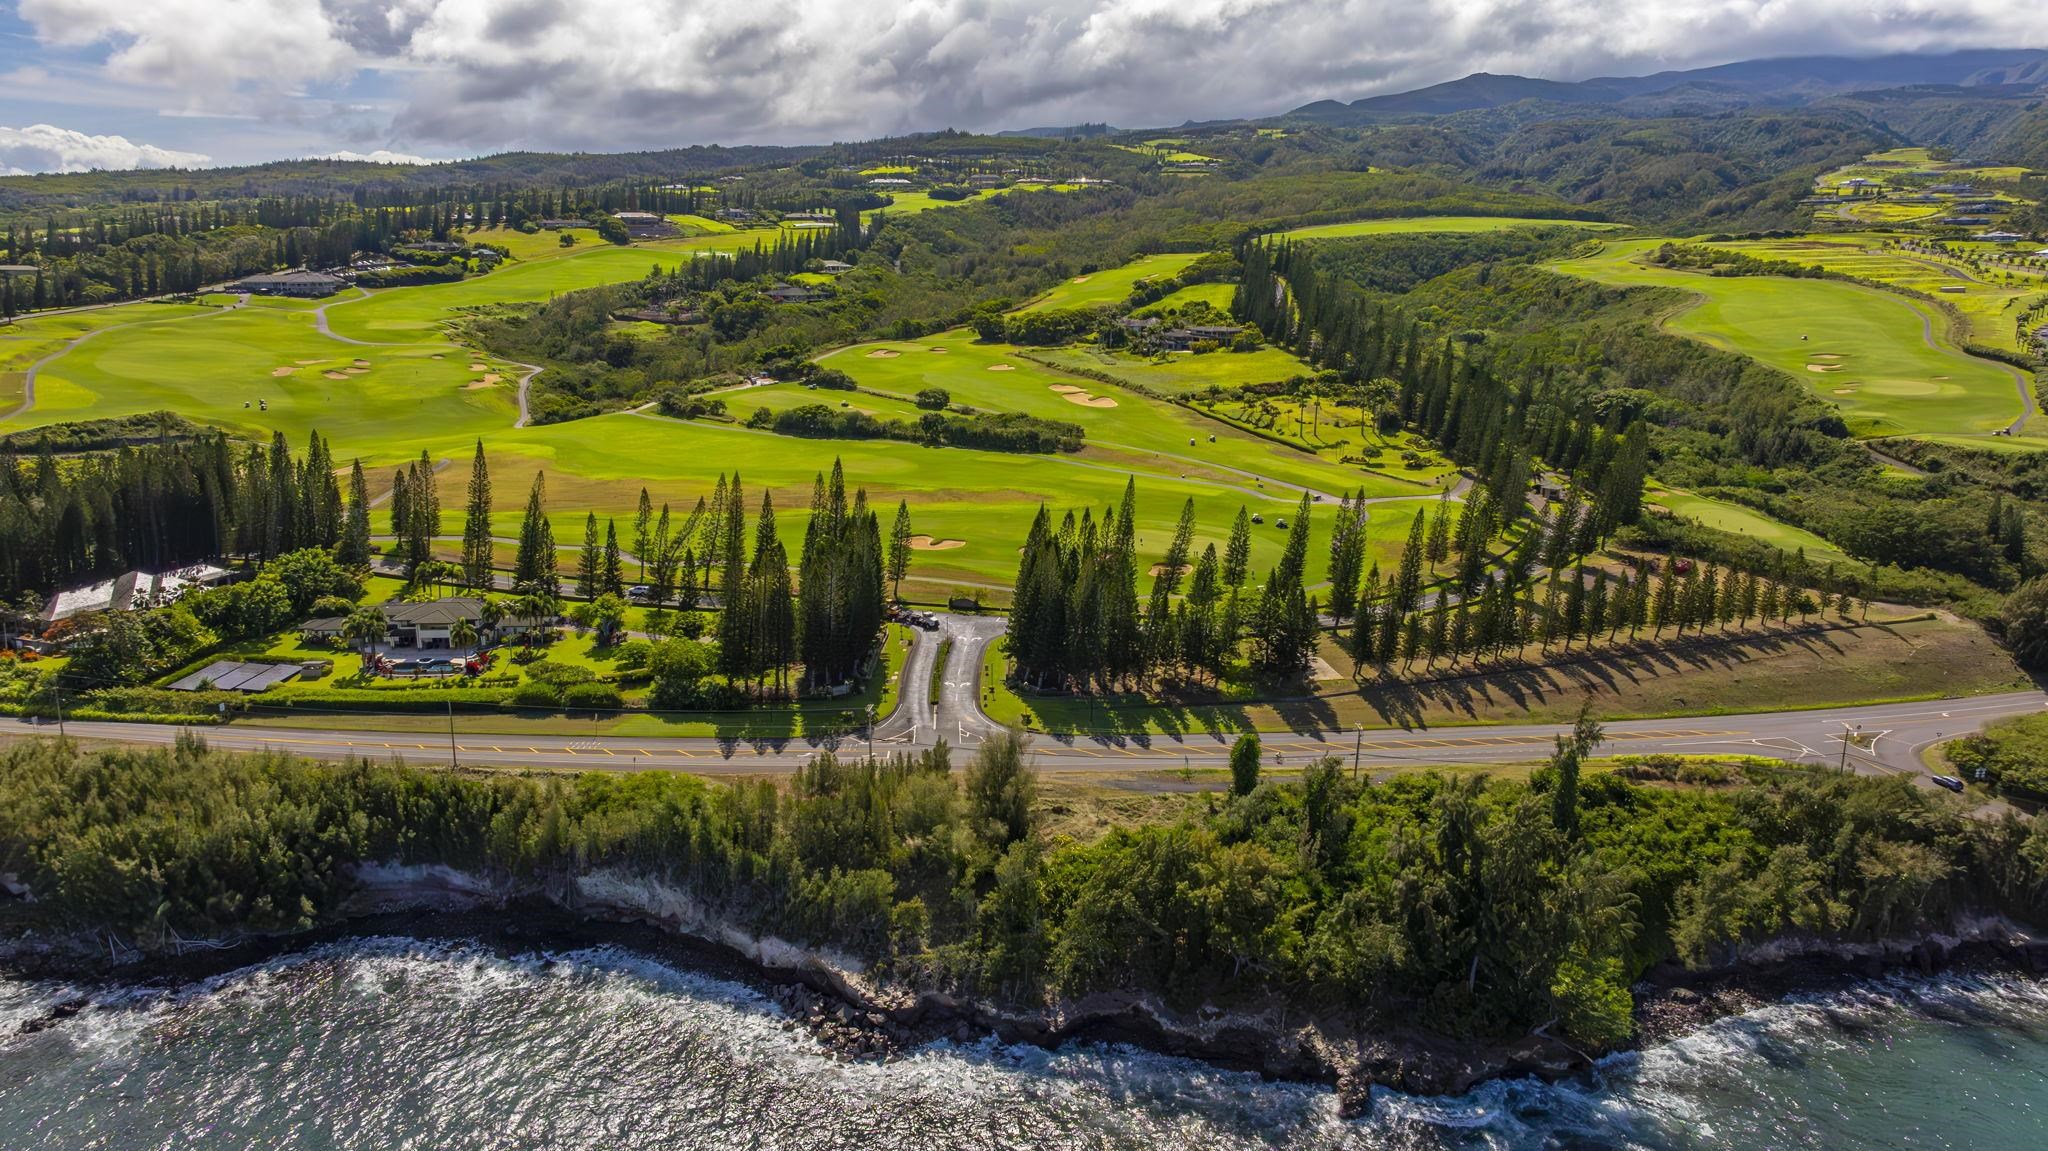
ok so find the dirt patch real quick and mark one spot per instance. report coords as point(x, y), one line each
point(303, 363)
point(284, 371)
point(1825, 356)
point(928, 544)
point(362, 363)
point(437, 356)
point(1845, 391)
point(1080, 279)
point(1002, 367)
point(1823, 367)
point(1160, 570)
point(940, 351)
point(883, 354)
point(334, 375)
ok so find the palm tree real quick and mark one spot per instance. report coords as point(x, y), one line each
point(490, 613)
point(363, 628)
point(462, 634)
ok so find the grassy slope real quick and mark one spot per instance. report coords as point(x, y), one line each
point(1987, 299)
point(1920, 659)
point(1727, 516)
point(1111, 284)
point(1892, 379)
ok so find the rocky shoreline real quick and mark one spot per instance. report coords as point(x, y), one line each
point(853, 1019)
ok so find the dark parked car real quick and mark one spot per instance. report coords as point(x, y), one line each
point(1950, 782)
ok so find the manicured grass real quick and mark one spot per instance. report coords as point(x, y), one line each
point(1110, 285)
point(1988, 298)
point(413, 315)
point(1180, 373)
point(1884, 359)
point(31, 338)
point(1728, 516)
point(910, 203)
point(1217, 296)
point(967, 369)
point(227, 368)
point(1431, 224)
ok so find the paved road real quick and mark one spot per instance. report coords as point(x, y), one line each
point(1886, 739)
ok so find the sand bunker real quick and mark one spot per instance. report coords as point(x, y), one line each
point(357, 371)
point(285, 371)
point(303, 363)
point(334, 375)
point(437, 356)
point(928, 544)
point(940, 351)
point(1160, 570)
point(479, 367)
point(1845, 391)
point(1074, 395)
point(1941, 377)
point(1823, 367)
point(1002, 367)
point(883, 354)
point(1080, 279)
point(1825, 356)
point(362, 363)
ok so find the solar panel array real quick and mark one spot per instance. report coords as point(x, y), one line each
point(233, 675)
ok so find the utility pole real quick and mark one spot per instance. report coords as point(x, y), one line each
point(58, 681)
point(1846, 730)
point(1357, 749)
point(451, 734)
point(871, 731)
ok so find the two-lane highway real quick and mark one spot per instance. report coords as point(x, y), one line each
point(1883, 739)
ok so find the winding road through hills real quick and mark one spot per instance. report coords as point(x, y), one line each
point(1882, 739)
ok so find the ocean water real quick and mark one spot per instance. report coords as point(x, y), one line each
point(393, 1043)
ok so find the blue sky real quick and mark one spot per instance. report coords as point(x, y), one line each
point(128, 83)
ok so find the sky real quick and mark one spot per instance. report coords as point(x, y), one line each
point(157, 83)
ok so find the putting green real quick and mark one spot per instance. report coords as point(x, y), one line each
point(1891, 368)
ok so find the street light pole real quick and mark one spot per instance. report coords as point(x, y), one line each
point(1357, 749)
point(451, 734)
point(1846, 731)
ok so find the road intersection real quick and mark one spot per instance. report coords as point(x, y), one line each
point(1876, 739)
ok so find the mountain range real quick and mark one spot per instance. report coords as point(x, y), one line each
point(1997, 74)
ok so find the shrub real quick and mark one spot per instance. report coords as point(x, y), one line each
point(934, 399)
point(593, 695)
point(534, 695)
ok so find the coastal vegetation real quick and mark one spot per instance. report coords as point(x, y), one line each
point(1472, 906)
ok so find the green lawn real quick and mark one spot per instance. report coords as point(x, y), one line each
point(1180, 373)
point(1884, 359)
point(1431, 224)
point(1728, 516)
point(1989, 298)
point(1217, 296)
point(32, 338)
point(909, 203)
point(990, 376)
point(1111, 285)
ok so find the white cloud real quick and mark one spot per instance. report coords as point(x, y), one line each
point(46, 148)
point(212, 55)
point(601, 74)
point(380, 156)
